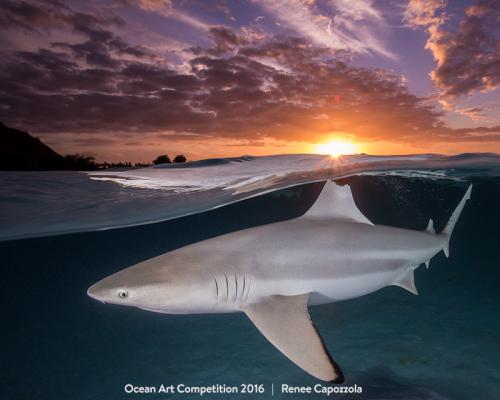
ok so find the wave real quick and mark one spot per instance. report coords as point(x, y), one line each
point(46, 203)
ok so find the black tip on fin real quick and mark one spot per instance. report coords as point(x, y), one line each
point(340, 376)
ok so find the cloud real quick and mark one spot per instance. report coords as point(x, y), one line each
point(425, 12)
point(340, 31)
point(102, 47)
point(40, 16)
point(468, 59)
point(166, 9)
point(224, 39)
point(31, 16)
point(189, 20)
point(240, 88)
point(357, 10)
point(162, 6)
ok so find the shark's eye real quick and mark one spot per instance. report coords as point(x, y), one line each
point(122, 294)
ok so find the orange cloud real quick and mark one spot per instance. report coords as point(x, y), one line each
point(468, 60)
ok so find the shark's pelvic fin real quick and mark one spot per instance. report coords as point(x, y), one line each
point(446, 249)
point(430, 226)
point(336, 201)
point(448, 229)
point(407, 281)
point(285, 322)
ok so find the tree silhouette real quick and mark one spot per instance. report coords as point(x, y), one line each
point(180, 158)
point(163, 159)
point(80, 162)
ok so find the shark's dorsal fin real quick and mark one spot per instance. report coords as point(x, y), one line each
point(285, 322)
point(336, 202)
point(407, 281)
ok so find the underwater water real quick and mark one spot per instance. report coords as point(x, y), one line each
point(57, 343)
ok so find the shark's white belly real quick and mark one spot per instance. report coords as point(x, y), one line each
point(326, 290)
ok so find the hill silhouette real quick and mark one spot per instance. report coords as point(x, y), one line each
point(19, 151)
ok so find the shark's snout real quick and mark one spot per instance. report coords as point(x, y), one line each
point(96, 292)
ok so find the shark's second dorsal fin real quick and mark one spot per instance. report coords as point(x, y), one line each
point(336, 202)
point(430, 226)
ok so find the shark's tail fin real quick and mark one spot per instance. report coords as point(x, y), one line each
point(448, 229)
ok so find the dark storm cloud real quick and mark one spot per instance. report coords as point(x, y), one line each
point(283, 88)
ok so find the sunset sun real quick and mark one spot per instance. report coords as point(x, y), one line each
point(336, 148)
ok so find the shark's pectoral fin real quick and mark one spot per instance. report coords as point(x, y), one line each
point(285, 322)
point(407, 280)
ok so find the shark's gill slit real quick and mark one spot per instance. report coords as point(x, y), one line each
point(216, 288)
point(227, 288)
point(243, 290)
point(235, 288)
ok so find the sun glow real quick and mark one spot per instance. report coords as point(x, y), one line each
point(336, 148)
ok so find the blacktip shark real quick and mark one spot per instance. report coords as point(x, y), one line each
point(273, 272)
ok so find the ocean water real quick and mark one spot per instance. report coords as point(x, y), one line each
point(57, 343)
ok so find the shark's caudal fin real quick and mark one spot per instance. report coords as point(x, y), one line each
point(336, 202)
point(448, 229)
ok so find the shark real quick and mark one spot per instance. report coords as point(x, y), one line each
point(274, 272)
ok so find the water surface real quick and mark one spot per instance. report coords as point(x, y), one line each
point(57, 343)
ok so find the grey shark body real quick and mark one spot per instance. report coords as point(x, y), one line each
point(273, 272)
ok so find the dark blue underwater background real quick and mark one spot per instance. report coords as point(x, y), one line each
point(57, 343)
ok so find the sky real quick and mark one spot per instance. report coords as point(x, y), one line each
point(127, 80)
